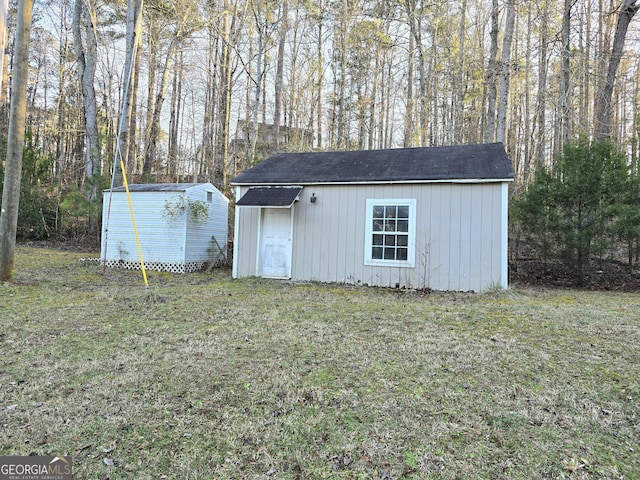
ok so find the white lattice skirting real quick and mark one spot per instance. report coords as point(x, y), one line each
point(188, 267)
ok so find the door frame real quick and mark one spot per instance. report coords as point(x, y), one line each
point(289, 249)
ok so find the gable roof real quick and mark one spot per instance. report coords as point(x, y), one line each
point(157, 187)
point(485, 162)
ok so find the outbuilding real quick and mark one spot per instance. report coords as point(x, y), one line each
point(182, 227)
point(423, 218)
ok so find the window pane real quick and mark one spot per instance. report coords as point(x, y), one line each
point(389, 225)
point(390, 240)
point(377, 239)
point(401, 254)
point(389, 254)
point(390, 211)
point(378, 211)
point(403, 211)
point(403, 240)
point(403, 225)
point(377, 225)
point(376, 253)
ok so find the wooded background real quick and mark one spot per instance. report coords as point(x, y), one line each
point(215, 86)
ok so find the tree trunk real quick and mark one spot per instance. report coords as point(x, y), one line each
point(258, 82)
point(132, 154)
point(341, 114)
point(151, 88)
point(505, 73)
point(134, 30)
point(542, 87)
point(373, 105)
point(459, 130)
point(492, 70)
point(229, 38)
point(603, 126)
point(409, 117)
point(280, 73)
point(414, 15)
point(15, 141)
point(4, 70)
point(84, 32)
point(565, 78)
point(154, 128)
point(319, 77)
point(206, 157)
point(174, 122)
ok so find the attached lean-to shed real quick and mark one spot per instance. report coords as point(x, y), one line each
point(426, 218)
point(182, 227)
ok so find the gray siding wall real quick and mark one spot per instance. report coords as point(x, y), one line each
point(460, 244)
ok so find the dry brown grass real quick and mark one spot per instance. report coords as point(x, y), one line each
point(202, 376)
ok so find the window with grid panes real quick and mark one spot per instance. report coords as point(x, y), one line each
point(390, 232)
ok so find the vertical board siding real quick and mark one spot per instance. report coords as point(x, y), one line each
point(458, 236)
point(475, 246)
point(455, 240)
point(245, 243)
point(466, 244)
point(435, 255)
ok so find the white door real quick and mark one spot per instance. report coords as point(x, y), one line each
point(275, 243)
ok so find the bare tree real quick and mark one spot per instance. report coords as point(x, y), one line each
point(134, 30)
point(232, 18)
point(543, 64)
point(280, 71)
point(84, 33)
point(505, 73)
point(492, 70)
point(562, 124)
point(15, 141)
point(415, 15)
point(603, 109)
point(186, 23)
point(459, 94)
point(410, 102)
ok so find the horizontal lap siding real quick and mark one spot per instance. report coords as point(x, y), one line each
point(199, 242)
point(160, 240)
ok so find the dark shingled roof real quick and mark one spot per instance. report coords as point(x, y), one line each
point(156, 187)
point(269, 197)
point(460, 162)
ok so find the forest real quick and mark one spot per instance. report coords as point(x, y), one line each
point(201, 90)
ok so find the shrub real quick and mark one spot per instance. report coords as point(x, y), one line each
point(573, 209)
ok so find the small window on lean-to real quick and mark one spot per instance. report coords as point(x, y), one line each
point(209, 197)
point(390, 232)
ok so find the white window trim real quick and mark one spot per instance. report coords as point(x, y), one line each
point(368, 239)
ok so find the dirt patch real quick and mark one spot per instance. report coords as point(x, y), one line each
point(77, 246)
point(599, 275)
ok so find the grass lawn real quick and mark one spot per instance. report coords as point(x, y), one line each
point(204, 377)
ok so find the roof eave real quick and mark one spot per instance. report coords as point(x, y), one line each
point(377, 182)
